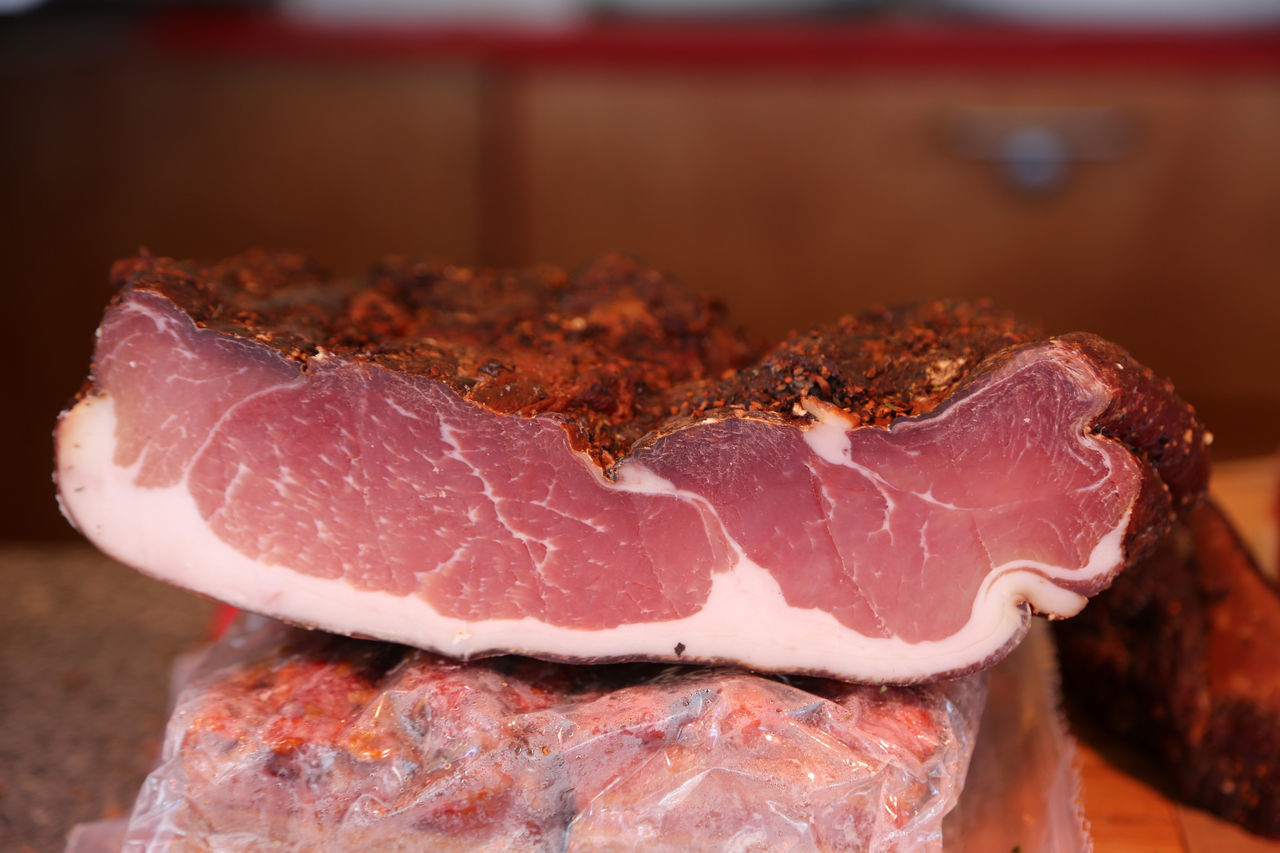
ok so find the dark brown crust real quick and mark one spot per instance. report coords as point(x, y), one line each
point(879, 366)
point(1182, 656)
point(622, 355)
point(1148, 417)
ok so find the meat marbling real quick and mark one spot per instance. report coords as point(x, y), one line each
point(597, 467)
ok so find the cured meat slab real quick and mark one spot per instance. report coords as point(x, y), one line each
point(294, 740)
point(597, 466)
point(1182, 657)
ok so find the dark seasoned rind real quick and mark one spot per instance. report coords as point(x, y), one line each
point(878, 366)
point(1182, 655)
point(1149, 418)
point(620, 353)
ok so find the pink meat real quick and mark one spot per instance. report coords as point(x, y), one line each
point(339, 490)
point(996, 478)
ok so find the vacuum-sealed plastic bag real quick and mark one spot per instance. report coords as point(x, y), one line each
point(286, 739)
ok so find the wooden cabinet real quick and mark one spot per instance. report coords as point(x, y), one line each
point(203, 158)
point(344, 161)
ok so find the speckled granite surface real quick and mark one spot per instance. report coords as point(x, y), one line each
point(86, 650)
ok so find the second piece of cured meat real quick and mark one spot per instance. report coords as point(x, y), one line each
point(1182, 657)
point(594, 467)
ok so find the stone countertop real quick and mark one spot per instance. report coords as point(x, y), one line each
point(86, 650)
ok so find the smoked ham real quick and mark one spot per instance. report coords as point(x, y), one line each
point(597, 467)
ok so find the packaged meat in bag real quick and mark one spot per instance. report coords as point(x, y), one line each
point(287, 739)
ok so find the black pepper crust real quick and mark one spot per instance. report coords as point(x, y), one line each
point(621, 354)
point(878, 366)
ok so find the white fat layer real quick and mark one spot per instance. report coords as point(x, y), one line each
point(160, 531)
point(635, 477)
point(828, 435)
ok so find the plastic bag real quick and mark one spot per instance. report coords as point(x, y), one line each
point(286, 739)
point(1023, 790)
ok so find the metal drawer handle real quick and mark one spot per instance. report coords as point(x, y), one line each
point(1034, 151)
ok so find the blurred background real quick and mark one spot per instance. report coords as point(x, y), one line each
point(1107, 166)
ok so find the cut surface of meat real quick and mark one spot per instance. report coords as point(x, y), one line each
point(287, 739)
point(595, 467)
point(1182, 656)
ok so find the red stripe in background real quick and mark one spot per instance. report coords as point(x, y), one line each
point(223, 616)
point(846, 42)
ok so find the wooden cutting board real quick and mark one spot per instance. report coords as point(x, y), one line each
point(1127, 809)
